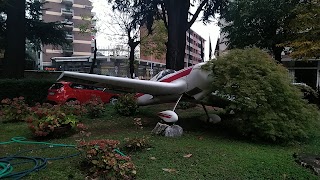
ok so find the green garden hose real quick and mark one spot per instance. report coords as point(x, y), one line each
point(22, 140)
point(6, 168)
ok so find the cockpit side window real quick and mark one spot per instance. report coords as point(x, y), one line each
point(162, 74)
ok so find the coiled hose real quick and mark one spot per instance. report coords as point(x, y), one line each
point(7, 163)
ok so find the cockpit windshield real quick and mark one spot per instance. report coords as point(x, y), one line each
point(162, 74)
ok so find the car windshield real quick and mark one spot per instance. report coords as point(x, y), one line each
point(56, 86)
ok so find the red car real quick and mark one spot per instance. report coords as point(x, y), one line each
point(62, 92)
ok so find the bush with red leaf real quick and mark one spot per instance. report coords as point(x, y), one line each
point(104, 162)
point(46, 119)
point(14, 110)
point(74, 107)
point(95, 107)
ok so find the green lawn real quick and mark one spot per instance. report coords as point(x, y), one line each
point(215, 153)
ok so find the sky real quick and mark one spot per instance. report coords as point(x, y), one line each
point(106, 38)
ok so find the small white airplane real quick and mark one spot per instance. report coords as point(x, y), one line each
point(191, 83)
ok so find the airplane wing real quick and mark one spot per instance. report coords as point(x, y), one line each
point(126, 84)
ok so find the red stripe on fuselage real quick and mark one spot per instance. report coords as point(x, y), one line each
point(179, 74)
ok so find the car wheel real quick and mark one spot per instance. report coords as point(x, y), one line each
point(113, 100)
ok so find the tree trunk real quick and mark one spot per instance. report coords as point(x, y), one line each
point(177, 23)
point(94, 57)
point(131, 60)
point(15, 41)
point(132, 46)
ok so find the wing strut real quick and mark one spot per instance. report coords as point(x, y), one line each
point(211, 118)
point(205, 109)
point(177, 102)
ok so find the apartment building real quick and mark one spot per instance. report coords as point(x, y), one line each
point(74, 15)
point(193, 50)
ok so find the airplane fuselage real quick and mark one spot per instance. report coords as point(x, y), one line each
point(197, 82)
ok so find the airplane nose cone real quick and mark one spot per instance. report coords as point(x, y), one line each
point(168, 116)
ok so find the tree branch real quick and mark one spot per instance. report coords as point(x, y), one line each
point(164, 17)
point(136, 43)
point(196, 14)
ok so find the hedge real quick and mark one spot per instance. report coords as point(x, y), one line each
point(32, 90)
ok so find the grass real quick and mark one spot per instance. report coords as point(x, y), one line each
point(216, 154)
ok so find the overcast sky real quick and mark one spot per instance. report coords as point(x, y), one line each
point(106, 39)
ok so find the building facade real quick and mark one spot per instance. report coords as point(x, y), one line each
point(76, 17)
point(193, 50)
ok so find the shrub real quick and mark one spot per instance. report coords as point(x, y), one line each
point(32, 90)
point(95, 107)
point(50, 120)
point(74, 107)
point(186, 105)
point(136, 144)
point(265, 103)
point(14, 110)
point(126, 105)
point(104, 163)
point(308, 93)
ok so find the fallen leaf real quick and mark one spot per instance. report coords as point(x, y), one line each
point(187, 155)
point(153, 158)
point(200, 137)
point(88, 134)
point(169, 170)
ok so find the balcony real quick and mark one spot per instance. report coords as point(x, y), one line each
point(67, 24)
point(68, 13)
point(69, 37)
point(67, 50)
point(67, 2)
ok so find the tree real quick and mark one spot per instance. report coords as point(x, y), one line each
point(39, 32)
point(258, 23)
point(155, 43)
point(305, 24)
point(264, 103)
point(122, 25)
point(16, 27)
point(174, 14)
point(86, 27)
